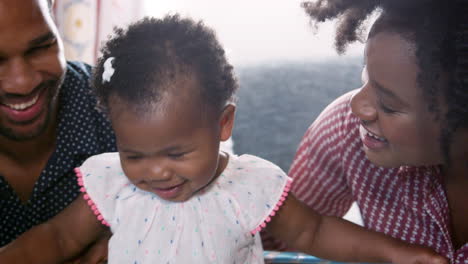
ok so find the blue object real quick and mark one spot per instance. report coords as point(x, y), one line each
point(273, 257)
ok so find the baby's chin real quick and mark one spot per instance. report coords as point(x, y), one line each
point(181, 193)
point(179, 199)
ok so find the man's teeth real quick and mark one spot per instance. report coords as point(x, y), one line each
point(376, 137)
point(23, 106)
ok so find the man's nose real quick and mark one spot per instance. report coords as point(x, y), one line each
point(18, 76)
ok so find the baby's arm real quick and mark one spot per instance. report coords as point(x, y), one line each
point(56, 240)
point(337, 239)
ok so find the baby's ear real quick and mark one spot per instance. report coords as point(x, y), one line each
point(226, 121)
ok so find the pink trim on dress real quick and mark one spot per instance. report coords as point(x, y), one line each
point(91, 204)
point(275, 209)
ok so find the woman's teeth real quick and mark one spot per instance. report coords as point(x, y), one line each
point(376, 137)
point(23, 106)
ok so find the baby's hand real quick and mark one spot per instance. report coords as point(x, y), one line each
point(412, 254)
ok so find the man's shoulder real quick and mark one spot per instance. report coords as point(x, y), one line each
point(78, 75)
point(78, 113)
point(77, 83)
point(79, 69)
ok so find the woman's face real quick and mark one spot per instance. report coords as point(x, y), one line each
point(397, 128)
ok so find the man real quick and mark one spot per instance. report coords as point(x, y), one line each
point(48, 121)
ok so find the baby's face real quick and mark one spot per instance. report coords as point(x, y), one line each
point(171, 153)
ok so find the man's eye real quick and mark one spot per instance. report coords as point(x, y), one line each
point(40, 48)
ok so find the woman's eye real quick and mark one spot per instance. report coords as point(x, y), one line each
point(385, 108)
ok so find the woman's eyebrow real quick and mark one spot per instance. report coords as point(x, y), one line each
point(387, 92)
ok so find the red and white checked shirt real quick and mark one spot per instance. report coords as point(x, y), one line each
point(330, 171)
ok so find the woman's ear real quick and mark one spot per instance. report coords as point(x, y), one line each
point(226, 121)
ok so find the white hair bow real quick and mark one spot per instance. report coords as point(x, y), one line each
point(108, 70)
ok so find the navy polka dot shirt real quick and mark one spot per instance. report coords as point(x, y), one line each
point(82, 132)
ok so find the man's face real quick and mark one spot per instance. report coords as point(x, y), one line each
point(32, 67)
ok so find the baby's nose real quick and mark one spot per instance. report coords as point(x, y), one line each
point(160, 173)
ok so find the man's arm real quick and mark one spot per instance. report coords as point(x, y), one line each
point(56, 240)
point(96, 253)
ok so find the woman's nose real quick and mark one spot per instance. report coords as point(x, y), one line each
point(362, 107)
point(18, 76)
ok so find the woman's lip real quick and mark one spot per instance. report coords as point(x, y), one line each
point(371, 142)
point(373, 134)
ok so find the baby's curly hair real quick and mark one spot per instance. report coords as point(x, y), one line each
point(152, 54)
point(437, 28)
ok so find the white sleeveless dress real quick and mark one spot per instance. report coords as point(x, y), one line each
point(219, 224)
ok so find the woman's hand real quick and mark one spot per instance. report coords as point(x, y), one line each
point(271, 243)
point(413, 254)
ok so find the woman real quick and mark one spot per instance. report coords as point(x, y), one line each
point(398, 146)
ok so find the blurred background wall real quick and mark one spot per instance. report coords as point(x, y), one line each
point(288, 70)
